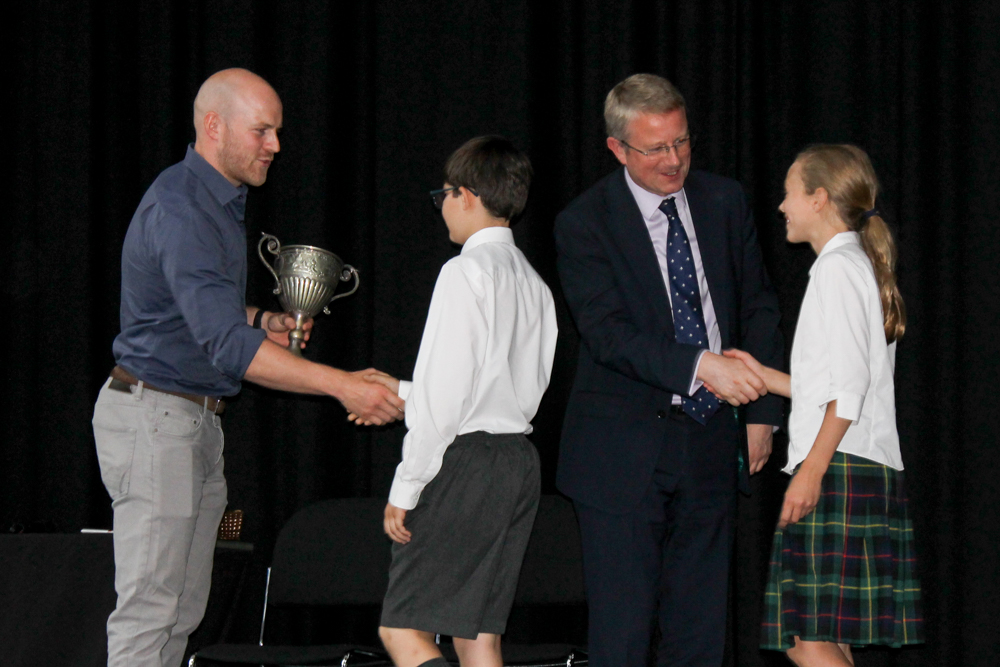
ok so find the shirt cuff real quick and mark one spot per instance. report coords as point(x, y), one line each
point(405, 495)
point(405, 386)
point(696, 384)
point(849, 405)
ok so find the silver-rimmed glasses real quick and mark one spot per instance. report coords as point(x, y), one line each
point(681, 146)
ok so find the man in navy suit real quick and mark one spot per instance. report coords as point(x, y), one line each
point(662, 272)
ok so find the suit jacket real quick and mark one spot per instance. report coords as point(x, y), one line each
point(630, 364)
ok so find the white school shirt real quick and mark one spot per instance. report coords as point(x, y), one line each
point(659, 228)
point(485, 358)
point(839, 353)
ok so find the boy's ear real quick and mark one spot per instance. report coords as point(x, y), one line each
point(468, 199)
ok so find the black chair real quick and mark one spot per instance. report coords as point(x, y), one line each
point(551, 576)
point(331, 553)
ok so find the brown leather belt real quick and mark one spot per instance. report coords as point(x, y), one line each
point(122, 380)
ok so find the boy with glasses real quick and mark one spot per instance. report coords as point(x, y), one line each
point(464, 497)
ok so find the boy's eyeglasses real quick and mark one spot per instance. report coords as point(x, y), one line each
point(437, 196)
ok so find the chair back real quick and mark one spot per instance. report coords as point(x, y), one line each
point(333, 552)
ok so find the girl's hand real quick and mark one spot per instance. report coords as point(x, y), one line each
point(747, 359)
point(801, 496)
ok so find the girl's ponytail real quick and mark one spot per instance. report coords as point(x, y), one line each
point(877, 241)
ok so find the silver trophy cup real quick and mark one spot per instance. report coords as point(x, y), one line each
point(306, 279)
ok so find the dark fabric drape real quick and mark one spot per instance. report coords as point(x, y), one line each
point(376, 95)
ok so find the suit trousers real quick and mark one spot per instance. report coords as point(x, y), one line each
point(161, 462)
point(668, 559)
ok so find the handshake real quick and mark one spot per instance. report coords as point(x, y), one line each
point(383, 403)
point(735, 376)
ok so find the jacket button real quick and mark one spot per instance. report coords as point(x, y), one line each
point(660, 414)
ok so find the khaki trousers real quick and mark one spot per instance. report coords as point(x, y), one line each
point(161, 462)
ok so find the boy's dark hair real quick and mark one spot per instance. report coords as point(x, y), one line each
point(498, 172)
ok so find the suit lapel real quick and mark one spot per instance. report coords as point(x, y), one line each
point(712, 246)
point(630, 233)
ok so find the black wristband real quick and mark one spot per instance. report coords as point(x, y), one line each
point(258, 318)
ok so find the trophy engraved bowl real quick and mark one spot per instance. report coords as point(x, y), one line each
point(306, 278)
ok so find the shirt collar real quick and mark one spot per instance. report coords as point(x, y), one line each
point(841, 239)
point(489, 235)
point(217, 184)
point(649, 202)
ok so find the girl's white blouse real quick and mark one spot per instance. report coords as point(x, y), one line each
point(839, 353)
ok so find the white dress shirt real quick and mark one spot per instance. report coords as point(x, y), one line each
point(840, 353)
point(659, 227)
point(485, 357)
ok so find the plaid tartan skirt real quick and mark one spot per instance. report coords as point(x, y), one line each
point(846, 573)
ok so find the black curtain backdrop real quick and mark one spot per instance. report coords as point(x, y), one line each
point(376, 95)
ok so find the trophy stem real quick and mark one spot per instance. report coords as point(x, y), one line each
point(296, 336)
point(293, 343)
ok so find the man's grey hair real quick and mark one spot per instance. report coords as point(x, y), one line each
point(640, 93)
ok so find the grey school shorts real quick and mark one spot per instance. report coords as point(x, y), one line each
point(470, 528)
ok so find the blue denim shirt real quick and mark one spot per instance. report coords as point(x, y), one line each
point(184, 274)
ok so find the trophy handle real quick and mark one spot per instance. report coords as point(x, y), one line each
point(345, 275)
point(273, 247)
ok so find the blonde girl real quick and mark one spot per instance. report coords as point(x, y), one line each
point(842, 565)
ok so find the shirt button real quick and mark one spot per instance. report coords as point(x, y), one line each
point(661, 414)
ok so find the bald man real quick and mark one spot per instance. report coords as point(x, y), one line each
point(187, 340)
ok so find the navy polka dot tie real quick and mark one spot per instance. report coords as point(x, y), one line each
point(689, 322)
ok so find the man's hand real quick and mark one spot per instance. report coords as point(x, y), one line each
point(369, 401)
point(801, 496)
point(759, 441)
point(730, 379)
point(384, 379)
point(277, 326)
point(393, 524)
